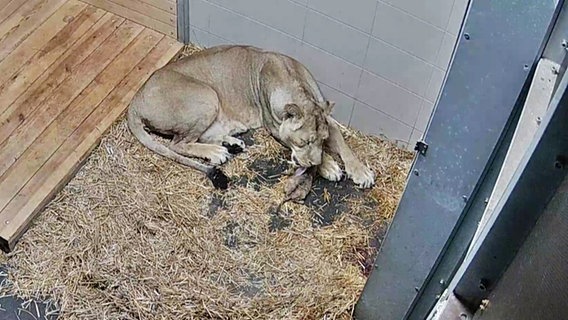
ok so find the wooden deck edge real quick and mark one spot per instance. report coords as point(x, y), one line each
point(168, 28)
point(8, 240)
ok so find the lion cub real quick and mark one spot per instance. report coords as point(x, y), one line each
point(204, 100)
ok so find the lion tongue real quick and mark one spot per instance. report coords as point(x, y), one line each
point(300, 171)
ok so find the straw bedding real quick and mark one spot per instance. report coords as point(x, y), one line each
point(136, 236)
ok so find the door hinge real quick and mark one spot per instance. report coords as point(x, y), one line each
point(421, 147)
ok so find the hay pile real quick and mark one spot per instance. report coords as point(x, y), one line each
point(136, 236)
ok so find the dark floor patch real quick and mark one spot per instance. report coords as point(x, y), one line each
point(247, 137)
point(253, 287)
point(14, 308)
point(231, 239)
point(380, 234)
point(328, 199)
point(268, 171)
point(366, 259)
point(217, 203)
point(277, 221)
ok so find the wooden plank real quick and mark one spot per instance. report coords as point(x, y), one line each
point(149, 22)
point(14, 18)
point(71, 118)
point(8, 8)
point(43, 87)
point(166, 5)
point(38, 39)
point(60, 168)
point(58, 49)
point(33, 125)
point(148, 10)
point(26, 23)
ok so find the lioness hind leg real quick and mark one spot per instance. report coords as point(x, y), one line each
point(214, 153)
point(220, 133)
point(234, 145)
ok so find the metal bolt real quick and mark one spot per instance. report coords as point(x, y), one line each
point(464, 197)
point(7, 222)
point(416, 173)
point(538, 120)
point(442, 282)
point(416, 289)
point(486, 201)
point(466, 36)
point(554, 71)
point(463, 316)
point(560, 162)
point(526, 67)
point(564, 44)
point(483, 284)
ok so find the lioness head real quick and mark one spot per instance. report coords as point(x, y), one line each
point(304, 129)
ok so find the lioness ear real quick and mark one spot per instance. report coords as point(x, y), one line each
point(292, 110)
point(328, 106)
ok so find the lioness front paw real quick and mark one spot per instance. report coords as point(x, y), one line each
point(218, 155)
point(361, 175)
point(329, 169)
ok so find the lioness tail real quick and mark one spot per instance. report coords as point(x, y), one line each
point(217, 177)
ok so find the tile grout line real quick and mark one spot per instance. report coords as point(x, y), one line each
point(305, 22)
point(330, 53)
point(412, 15)
point(364, 63)
point(331, 18)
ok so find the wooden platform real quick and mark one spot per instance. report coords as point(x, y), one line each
point(67, 71)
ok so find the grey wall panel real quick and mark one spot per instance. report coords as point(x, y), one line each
point(400, 44)
point(488, 74)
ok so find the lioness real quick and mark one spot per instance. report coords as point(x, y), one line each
point(204, 100)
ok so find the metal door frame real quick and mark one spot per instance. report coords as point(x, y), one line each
point(467, 138)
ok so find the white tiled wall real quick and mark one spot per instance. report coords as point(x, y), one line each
point(382, 61)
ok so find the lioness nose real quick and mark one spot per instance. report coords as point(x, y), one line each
point(295, 159)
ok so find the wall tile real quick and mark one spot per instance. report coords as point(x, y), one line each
point(283, 15)
point(240, 30)
point(371, 121)
point(457, 16)
point(424, 115)
point(446, 50)
point(343, 103)
point(358, 14)
point(204, 38)
point(407, 33)
point(398, 66)
point(435, 85)
point(199, 13)
point(336, 37)
point(436, 12)
point(389, 98)
point(329, 69)
point(404, 66)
